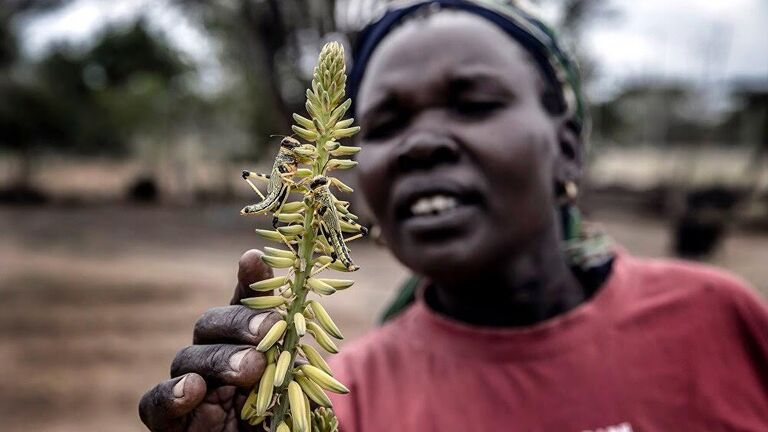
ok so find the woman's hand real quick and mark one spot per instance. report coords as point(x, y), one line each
point(211, 378)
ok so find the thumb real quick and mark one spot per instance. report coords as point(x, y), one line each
point(250, 269)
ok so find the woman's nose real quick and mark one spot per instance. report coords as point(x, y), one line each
point(425, 150)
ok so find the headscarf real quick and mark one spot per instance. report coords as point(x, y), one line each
point(556, 65)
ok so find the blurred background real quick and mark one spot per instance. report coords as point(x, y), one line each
point(124, 125)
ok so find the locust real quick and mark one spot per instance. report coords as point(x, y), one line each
point(328, 219)
point(279, 181)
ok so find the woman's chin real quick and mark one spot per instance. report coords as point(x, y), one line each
point(448, 256)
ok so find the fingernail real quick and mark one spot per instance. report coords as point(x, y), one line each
point(237, 359)
point(255, 323)
point(178, 389)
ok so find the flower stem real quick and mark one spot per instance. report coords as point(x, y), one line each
point(300, 290)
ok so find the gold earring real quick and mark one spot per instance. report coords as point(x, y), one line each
point(375, 233)
point(571, 190)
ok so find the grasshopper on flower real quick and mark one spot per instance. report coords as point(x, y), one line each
point(279, 180)
point(328, 220)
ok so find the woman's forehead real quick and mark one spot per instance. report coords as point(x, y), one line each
point(425, 51)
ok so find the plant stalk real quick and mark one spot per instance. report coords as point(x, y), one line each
point(300, 290)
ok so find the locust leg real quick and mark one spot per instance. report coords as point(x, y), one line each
point(253, 186)
point(321, 268)
point(324, 247)
point(287, 243)
point(250, 174)
point(299, 185)
point(247, 177)
point(355, 237)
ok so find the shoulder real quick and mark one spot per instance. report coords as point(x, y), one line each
point(687, 277)
point(677, 285)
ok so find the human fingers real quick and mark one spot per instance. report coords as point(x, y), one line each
point(250, 269)
point(234, 325)
point(221, 364)
point(164, 407)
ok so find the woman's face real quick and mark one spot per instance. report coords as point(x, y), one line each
point(458, 153)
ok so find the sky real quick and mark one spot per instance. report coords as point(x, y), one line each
point(700, 41)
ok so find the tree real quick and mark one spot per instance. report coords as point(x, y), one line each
point(265, 46)
point(649, 112)
point(90, 100)
point(114, 87)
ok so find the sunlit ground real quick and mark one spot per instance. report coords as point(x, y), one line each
point(95, 302)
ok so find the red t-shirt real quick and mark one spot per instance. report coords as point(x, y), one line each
point(662, 346)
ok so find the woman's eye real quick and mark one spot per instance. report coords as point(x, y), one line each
point(471, 108)
point(381, 130)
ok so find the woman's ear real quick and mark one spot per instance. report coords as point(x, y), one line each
point(568, 167)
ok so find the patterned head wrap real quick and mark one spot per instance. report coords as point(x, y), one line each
point(556, 65)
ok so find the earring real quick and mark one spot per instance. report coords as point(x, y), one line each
point(585, 245)
point(566, 192)
point(571, 190)
point(375, 233)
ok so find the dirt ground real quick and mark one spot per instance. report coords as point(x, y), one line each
point(95, 301)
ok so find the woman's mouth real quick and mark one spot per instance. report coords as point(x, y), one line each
point(438, 209)
point(433, 205)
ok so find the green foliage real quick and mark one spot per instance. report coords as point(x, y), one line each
point(127, 54)
point(94, 100)
point(116, 88)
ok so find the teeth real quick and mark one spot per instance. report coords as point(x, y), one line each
point(433, 204)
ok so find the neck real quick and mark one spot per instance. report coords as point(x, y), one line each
point(521, 290)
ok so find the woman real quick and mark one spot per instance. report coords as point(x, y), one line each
point(525, 319)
